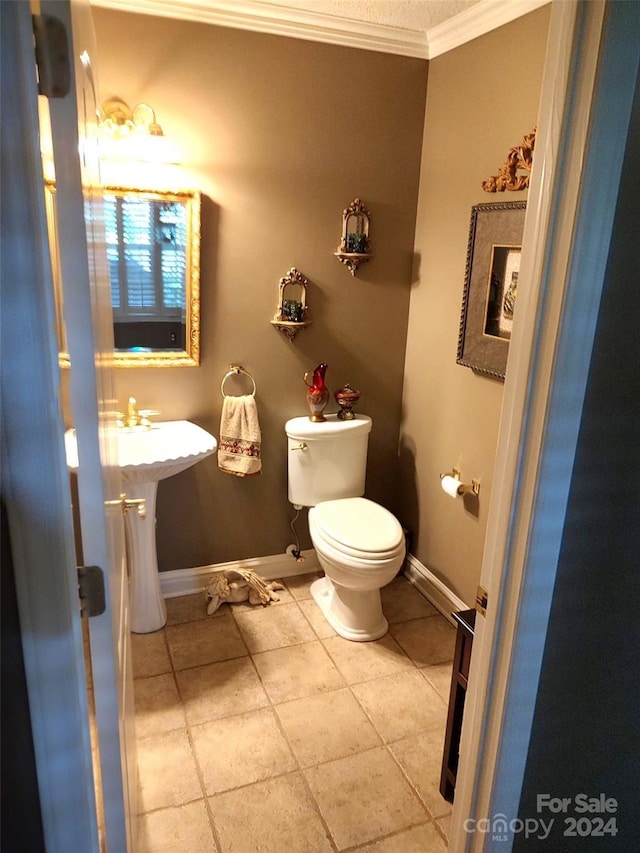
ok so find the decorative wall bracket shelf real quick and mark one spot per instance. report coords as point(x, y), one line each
point(520, 157)
point(354, 248)
point(291, 316)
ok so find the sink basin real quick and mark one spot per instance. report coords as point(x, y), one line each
point(147, 455)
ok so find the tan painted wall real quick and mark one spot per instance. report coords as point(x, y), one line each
point(481, 99)
point(280, 136)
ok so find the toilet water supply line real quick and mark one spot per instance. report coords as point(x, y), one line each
point(294, 550)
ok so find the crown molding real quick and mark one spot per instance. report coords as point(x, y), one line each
point(314, 26)
point(485, 16)
point(276, 20)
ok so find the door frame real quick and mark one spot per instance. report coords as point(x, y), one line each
point(586, 102)
point(89, 332)
point(35, 478)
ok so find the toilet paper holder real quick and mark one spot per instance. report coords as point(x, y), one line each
point(463, 488)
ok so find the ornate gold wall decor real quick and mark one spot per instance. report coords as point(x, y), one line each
point(291, 316)
point(354, 248)
point(519, 157)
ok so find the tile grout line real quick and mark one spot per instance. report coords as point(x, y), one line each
point(355, 847)
point(206, 797)
point(413, 786)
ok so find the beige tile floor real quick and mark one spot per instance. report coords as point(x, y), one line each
point(259, 729)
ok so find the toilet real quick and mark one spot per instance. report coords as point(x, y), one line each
point(360, 545)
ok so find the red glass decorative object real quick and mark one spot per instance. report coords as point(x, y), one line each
point(317, 393)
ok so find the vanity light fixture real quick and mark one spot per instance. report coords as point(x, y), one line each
point(132, 134)
point(117, 119)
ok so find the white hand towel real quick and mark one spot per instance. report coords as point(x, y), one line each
point(240, 437)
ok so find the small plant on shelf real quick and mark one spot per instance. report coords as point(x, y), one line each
point(292, 310)
point(357, 243)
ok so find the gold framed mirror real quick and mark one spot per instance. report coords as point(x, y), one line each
point(153, 253)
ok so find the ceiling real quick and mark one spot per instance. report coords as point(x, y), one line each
point(417, 15)
point(419, 28)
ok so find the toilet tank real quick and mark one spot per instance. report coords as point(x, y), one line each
point(328, 460)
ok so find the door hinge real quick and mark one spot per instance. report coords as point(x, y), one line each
point(482, 598)
point(91, 590)
point(52, 56)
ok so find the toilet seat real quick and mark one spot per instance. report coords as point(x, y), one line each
point(359, 529)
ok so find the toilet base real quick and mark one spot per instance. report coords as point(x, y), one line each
point(353, 614)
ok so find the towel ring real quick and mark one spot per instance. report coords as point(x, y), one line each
point(235, 370)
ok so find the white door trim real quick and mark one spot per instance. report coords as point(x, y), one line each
point(577, 171)
point(89, 331)
point(35, 479)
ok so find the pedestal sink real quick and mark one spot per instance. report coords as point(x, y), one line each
point(147, 455)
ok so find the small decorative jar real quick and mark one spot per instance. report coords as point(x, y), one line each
point(346, 398)
point(317, 394)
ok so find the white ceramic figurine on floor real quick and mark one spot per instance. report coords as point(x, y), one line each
point(235, 586)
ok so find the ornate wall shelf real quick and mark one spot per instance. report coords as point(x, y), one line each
point(354, 248)
point(291, 316)
point(290, 329)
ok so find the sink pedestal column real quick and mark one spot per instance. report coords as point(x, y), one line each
point(147, 608)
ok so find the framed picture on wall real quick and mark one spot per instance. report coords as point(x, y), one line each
point(490, 287)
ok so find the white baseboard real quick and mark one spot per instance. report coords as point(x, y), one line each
point(433, 588)
point(190, 581)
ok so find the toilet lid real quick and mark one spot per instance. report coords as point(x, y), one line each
point(360, 525)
